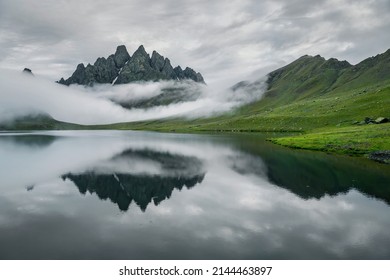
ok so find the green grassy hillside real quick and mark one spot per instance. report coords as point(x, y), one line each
point(323, 100)
point(335, 109)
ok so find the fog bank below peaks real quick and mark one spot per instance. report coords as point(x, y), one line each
point(22, 95)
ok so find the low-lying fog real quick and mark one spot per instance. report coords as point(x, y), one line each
point(23, 94)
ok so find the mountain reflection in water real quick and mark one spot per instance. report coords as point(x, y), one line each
point(140, 195)
point(315, 175)
point(177, 171)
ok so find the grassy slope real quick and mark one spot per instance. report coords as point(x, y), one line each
point(39, 122)
point(336, 108)
point(321, 99)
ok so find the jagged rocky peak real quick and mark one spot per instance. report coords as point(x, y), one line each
point(178, 72)
point(121, 68)
point(157, 61)
point(167, 68)
point(121, 56)
point(80, 67)
point(190, 73)
point(141, 51)
point(141, 55)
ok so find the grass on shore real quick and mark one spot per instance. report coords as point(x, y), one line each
point(352, 140)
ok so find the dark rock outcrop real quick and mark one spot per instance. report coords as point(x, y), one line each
point(380, 156)
point(28, 71)
point(381, 120)
point(121, 68)
point(368, 120)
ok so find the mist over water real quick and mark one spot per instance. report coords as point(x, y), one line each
point(23, 95)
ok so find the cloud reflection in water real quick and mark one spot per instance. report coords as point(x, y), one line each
point(152, 196)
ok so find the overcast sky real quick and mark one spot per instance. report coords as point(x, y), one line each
point(227, 41)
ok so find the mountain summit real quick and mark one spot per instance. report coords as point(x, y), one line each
point(121, 68)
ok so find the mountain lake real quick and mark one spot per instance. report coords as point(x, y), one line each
point(146, 195)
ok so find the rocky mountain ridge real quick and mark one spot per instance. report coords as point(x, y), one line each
point(121, 68)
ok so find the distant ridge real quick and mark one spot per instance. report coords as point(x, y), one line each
point(121, 68)
point(315, 76)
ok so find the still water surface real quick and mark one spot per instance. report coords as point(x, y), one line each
point(142, 195)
